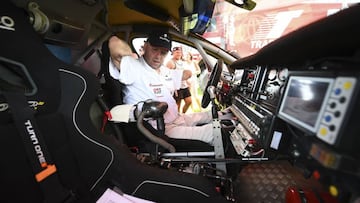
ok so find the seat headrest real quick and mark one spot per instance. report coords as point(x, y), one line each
point(26, 64)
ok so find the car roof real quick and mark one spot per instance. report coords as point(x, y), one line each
point(119, 13)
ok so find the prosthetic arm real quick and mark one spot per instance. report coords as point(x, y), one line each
point(150, 109)
point(155, 110)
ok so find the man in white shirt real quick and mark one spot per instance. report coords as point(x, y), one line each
point(147, 78)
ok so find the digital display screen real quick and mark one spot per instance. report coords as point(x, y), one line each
point(304, 101)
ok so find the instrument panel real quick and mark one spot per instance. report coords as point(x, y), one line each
point(272, 86)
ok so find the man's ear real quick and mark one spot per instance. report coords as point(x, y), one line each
point(145, 46)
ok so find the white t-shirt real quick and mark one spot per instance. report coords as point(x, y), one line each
point(179, 65)
point(143, 82)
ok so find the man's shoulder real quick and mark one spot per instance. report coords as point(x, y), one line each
point(130, 58)
point(131, 61)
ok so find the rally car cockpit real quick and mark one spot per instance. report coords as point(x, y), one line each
point(293, 104)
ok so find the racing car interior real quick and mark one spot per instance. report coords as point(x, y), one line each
point(285, 119)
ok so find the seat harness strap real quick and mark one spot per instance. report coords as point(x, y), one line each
point(44, 169)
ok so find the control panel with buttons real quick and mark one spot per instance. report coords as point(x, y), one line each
point(336, 108)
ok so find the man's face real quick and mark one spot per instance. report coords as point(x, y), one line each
point(154, 56)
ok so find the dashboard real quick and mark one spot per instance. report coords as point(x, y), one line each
point(306, 114)
point(300, 100)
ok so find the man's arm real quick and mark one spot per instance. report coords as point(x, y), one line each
point(186, 74)
point(170, 64)
point(118, 48)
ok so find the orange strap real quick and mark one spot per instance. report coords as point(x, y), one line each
point(50, 169)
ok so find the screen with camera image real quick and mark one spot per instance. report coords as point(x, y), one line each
point(304, 101)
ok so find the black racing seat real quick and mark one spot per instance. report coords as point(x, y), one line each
point(51, 151)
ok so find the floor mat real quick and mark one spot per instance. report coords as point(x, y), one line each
point(268, 182)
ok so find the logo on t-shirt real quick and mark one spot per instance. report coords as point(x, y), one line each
point(157, 89)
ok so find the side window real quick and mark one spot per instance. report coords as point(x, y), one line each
point(138, 44)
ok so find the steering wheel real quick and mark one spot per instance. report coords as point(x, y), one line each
point(213, 81)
